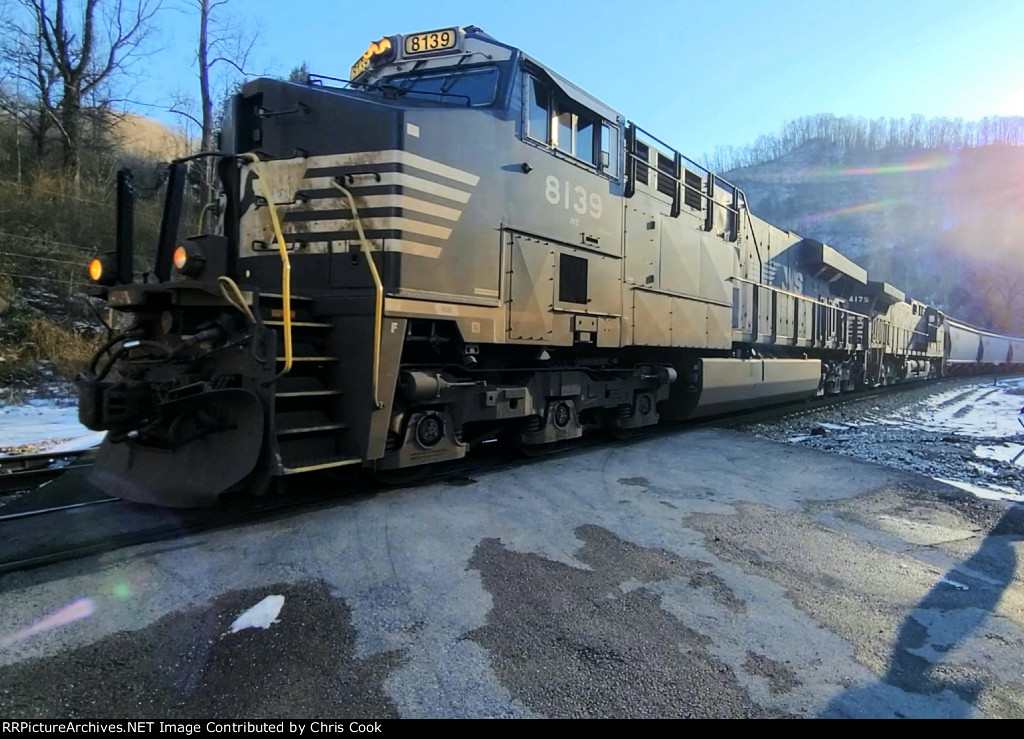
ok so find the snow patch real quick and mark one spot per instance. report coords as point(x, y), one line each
point(1002, 453)
point(982, 411)
point(993, 492)
point(90, 440)
point(260, 616)
point(982, 468)
point(42, 426)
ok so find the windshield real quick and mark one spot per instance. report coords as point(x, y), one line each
point(474, 86)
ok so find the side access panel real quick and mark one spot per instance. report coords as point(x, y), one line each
point(668, 320)
point(652, 318)
point(531, 291)
point(804, 316)
point(551, 285)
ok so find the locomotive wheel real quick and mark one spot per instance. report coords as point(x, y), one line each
point(430, 430)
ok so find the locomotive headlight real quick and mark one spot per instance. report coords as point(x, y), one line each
point(190, 260)
point(383, 51)
point(380, 52)
point(102, 270)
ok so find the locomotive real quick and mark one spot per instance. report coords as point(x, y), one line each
point(457, 245)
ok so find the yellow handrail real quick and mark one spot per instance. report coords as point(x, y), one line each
point(286, 265)
point(379, 313)
point(229, 289)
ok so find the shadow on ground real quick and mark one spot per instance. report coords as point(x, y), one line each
point(917, 682)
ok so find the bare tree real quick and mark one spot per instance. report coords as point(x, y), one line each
point(28, 80)
point(879, 134)
point(222, 44)
point(67, 51)
point(222, 54)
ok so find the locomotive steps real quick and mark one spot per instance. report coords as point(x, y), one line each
point(307, 428)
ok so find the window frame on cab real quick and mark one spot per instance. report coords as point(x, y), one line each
point(561, 117)
point(449, 71)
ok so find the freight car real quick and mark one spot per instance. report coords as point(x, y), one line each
point(971, 350)
point(456, 245)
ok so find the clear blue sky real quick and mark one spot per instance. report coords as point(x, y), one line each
point(697, 74)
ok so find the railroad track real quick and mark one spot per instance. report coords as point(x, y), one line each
point(26, 472)
point(162, 525)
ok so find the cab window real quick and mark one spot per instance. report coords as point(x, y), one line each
point(584, 144)
point(538, 120)
point(610, 148)
point(475, 86)
point(562, 124)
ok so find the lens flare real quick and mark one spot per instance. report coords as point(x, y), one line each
point(927, 162)
point(854, 209)
point(81, 608)
point(921, 164)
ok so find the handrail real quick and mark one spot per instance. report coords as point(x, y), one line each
point(798, 296)
point(231, 292)
point(670, 148)
point(378, 285)
point(286, 265)
point(753, 237)
point(820, 301)
point(316, 80)
point(682, 182)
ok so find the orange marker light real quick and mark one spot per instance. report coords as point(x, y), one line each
point(96, 269)
point(180, 257)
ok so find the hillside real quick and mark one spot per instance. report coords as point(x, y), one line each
point(946, 226)
point(51, 226)
point(148, 138)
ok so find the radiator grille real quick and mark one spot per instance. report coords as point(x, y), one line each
point(692, 197)
point(642, 170)
point(666, 175)
point(572, 279)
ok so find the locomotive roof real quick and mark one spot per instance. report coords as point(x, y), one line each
point(575, 92)
point(572, 90)
point(824, 256)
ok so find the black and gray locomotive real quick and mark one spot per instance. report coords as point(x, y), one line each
point(458, 245)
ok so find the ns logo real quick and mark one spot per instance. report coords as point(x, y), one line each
point(782, 276)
